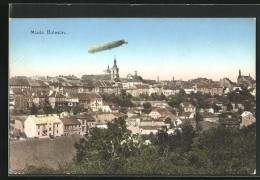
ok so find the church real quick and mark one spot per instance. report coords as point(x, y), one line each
point(245, 80)
point(114, 72)
point(109, 74)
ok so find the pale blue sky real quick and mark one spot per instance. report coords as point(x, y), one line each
point(181, 47)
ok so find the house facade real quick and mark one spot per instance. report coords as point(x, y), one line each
point(42, 126)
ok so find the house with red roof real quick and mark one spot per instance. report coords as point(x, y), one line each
point(91, 100)
point(188, 107)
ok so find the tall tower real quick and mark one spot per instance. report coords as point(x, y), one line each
point(239, 76)
point(114, 70)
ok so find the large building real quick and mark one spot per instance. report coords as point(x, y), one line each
point(109, 74)
point(245, 80)
point(43, 126)
point(114, 70)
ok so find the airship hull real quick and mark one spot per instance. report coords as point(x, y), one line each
point(106, 46)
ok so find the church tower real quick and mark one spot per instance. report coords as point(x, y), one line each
point(239, 76)
point(114, 70)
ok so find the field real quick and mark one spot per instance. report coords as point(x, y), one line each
point(41, 152)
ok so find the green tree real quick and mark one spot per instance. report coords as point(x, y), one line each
point(34, 109)
point(187, 135)
point(47, 109)
point(229, 107)
point(216, 108)
point(123, 94)
point(147, 105)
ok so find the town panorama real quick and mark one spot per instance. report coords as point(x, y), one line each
point(44, 108)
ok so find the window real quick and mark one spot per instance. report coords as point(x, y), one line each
point(49, 129)
point(57, 131)
point(38, 133)
point(57, 125)
point(38, 126)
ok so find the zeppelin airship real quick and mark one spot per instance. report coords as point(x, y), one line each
point(106, 46)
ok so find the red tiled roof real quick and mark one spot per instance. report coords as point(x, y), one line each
point(19, 82)
point(87, 117)
point(187, 105)
point(70, 120)
point(186, 114)
point(142, 86)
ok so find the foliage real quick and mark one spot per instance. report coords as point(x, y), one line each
point(114, 150)
point(216, 108)
point(47, 109)
point(34, 109)
point(79, 109)
point(229, 107)
point(60, 109)
point(147, 105)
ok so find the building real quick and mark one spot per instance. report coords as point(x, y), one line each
point(134, 120)
point(226, 82)
point(208, 116)
point(71, 125)
point(229, 122)
point(151, 126)
point(181, 122)
point(43, 126)
point(105, 87)
point(187, 115)
point(188, 107)
point(110, 107)
point(57, 99)
point(158, 104)
point(162, 114)
point(102, 118)
point(21, 83)
point(18, 122)
point(245, 80)
point(247, 119)
point(87, 122)
point(114, 70)
point(91, 100)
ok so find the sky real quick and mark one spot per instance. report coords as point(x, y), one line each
point(183, 48)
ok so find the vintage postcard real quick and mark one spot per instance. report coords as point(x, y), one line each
point(132, 96)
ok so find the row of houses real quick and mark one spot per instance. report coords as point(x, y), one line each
point(44, 126)
point(135, 87)
point(41, 126)
point(22, 99)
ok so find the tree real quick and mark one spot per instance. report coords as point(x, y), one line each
point(216, 108)
point(229, 107)
point(169, 121)
point(123, 94)
point(34, 109)
point(47, 109)
point(187, 135)
point(147, 105)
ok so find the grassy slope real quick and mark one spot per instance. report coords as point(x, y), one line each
point(41, 152)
